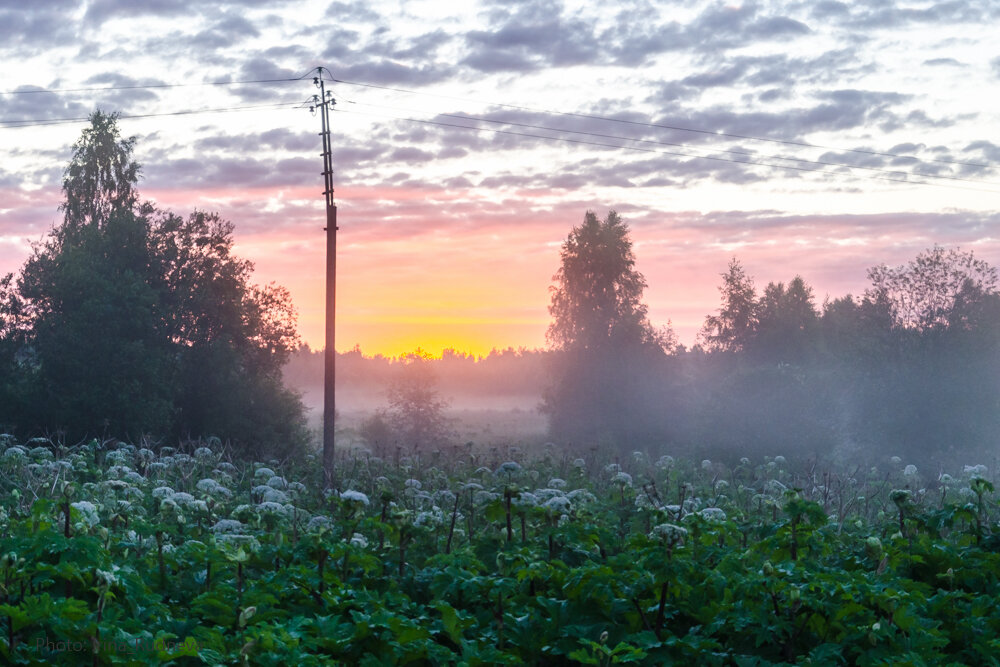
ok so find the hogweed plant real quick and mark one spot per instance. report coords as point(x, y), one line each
point(491, 557)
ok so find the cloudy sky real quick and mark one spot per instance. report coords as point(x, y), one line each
point(803, 137)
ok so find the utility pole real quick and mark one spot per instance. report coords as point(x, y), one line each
point(323, 102)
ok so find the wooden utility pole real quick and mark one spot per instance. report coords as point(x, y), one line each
point(323, 102)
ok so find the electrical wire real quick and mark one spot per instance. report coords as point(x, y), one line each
point(652, 150)
point(748, 154)
point(662, 126)
point(145, 86)
point(38, 122)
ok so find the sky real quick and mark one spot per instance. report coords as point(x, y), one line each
point(812, 138)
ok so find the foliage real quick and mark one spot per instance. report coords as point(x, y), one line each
point(136, 321)
point(607, 351)
point(734, 326)
point(416, 411)
point(925, 293)
point(119, 555)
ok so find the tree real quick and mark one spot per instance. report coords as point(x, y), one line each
point(736, 322)
point(145, 322)
point(597, 302)
point(416, 410)
point(924, 293)
point(102, 365)
point(606, 349)
point(786, 322)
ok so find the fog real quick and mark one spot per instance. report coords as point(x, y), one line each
point(909, 369)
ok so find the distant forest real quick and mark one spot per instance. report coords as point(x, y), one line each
point(911, 368)
point(501, 373)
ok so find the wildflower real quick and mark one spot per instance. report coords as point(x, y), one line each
point(622, 478)
point(359, 540)
point(318, 523)
point(910, 470)
point(557, 483)
point(413, 484)
point(88, 512)
point(525, 500)
point(272, 508)
point(579, 463)
point(182, 498)
point(581, 496)
point(203, 454)
point(277, 482)
point(557, 504)
point(212, 487)
point(356, 497)
point(227, 526)
point(975, 471)
point(108, 578)
point(162, 492)
point(706, 464)
point(780, 460)
point(545, 494)
point(896, 459)
point(665, 462)
point(713, 514)
point(668, 532)
point(273, 496)
point(508, 467)
point(133, 477)
point(265, 473)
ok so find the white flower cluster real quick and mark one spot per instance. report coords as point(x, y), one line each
point(622, 478)
point(509, 467)
point(668, 532)
point(975, 471)
point(318, 523)
point(88, 513)
point(228, 526)
point(352, 496)
point(713, 514)
point(213, 488)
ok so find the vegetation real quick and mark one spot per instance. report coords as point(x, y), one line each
point(131, 321)
point(119, 555)
point(605, 344)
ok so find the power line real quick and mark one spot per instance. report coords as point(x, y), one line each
point(584, 142)
point(151, 86)
point(38, 122)
point(678, 128)
point(749, 154)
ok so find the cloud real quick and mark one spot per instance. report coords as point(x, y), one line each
point(536, 35)
point(27, 32)
point(944, 62)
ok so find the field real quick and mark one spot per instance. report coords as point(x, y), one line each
point(113, 554)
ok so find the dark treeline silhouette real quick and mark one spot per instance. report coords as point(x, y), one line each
point(128, 321)
point(911, 367)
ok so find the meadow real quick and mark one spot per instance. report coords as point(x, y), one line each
point(116, 554)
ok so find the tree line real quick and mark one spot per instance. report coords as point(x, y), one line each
point(910, 367)
point(133, 322)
